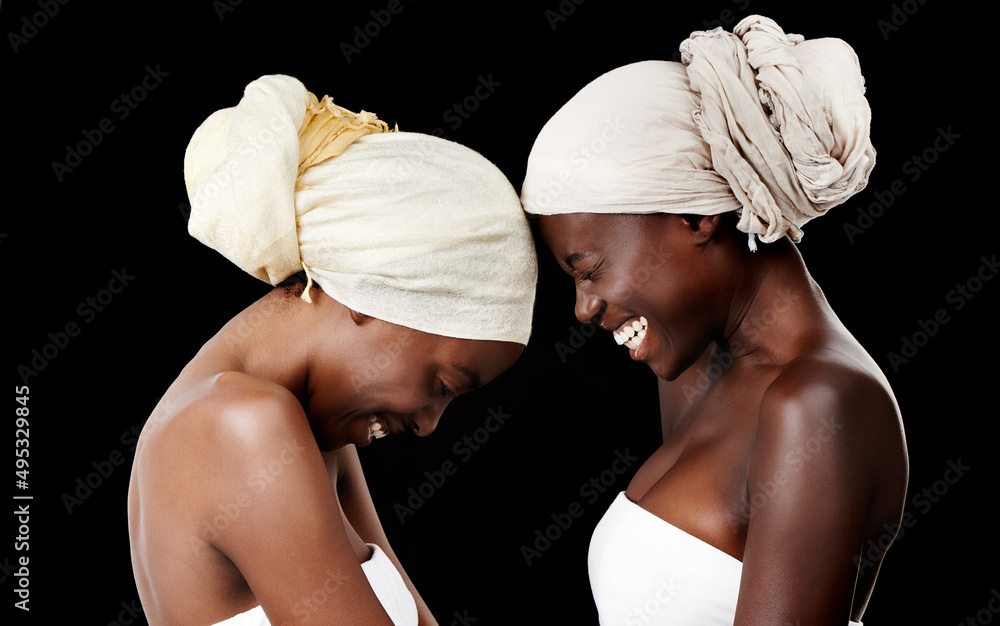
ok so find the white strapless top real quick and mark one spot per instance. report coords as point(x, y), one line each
point(644, 571)
point(384, 578)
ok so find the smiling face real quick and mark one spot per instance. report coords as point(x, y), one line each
point(401, 379)
point(651, 280)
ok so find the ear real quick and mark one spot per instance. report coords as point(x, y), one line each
point(358, 318)
point(703, 227)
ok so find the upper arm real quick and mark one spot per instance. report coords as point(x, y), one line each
point(811, 487)
point(360, 510)
point(280, 518)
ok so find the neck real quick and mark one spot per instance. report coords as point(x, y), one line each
point(775, 305)
point(267, 340)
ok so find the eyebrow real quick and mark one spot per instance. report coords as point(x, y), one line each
point(573, 258)
point(474, 381)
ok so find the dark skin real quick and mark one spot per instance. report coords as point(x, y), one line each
point(246, 487)
point(782, 441)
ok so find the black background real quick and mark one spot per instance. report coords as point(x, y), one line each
point(572, 404)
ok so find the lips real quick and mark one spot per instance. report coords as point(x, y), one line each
point(631, 333)
point(382, 424)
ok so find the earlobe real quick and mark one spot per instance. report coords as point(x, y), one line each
point(705, 227)
point(358, 318)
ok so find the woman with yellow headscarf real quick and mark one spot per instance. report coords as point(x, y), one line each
point(247, 502)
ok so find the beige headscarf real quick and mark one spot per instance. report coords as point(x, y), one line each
point(757, 121)
point(408, 228)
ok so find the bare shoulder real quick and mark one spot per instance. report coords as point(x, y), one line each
point(835, 405)
point(826, 472)
point(233, 428)
point(241, 409)
point(247, 426)
point(829, 384)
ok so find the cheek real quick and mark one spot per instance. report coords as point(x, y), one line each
point(626, 288)
point(403, 390)
point(643, 281)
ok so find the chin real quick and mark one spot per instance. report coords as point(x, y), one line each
point(667, 367)
point(666, 374)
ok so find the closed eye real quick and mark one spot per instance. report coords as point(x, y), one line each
point(589, 274)
point(446, 391)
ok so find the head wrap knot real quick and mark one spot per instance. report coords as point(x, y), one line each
point(768, 124)
point(328, 129)
point(786, 120)
point(408, 228)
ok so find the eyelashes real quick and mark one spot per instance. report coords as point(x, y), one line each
point(447, 392)
point(589, 274)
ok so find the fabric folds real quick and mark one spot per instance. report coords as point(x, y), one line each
point(758, 121)
point(408, 228)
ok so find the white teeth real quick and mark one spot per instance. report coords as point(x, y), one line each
point(375, 428)
point(631, 335)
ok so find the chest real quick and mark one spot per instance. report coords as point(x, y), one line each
point(697, 480)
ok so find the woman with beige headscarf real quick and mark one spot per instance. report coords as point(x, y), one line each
point(673, 194)
point(247, 503)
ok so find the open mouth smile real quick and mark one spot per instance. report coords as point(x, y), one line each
point(631, 333)
point(377, 427)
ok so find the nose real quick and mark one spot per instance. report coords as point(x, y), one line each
point(589, 306)
point(426, 420)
